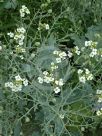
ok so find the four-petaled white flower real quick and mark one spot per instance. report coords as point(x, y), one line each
point(18, 78)
point(88, 43)
point(40, 80)
point(47, 27)
point(70, 54)
point(82, 79)
point(24, 10)
point(99, 113)
point(17, 85)
point(80, 71)
point(93, 53)
point(77, 51)
point(10, 34)
point(57, 90)
point(25, 82)
point(99, 91)
point(58, 60)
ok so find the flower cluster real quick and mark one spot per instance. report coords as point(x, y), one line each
point(10, 34)
point(60, 55)
point(49, 77)
point(88, 43)
point(24, 10)
point(93, 53)
point(18, 37)
point(17, 84)
point(58, 84)
point(70, 54)
point(76, 50)
point(99, 93)
point(46, 26)
point(85, 75)
point(43, 26)
point(53, 66)
point(92, 45)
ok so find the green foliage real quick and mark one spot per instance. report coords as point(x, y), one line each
point(52, 25)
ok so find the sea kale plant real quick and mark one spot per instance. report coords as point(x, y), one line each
point(48, 88)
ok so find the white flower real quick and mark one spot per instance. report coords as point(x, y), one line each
point(21, 43)
point(24, 10)
point(82, 129)
point(21, 133)
point(14, 89)
point(99, 113)
point(45, 73)
point(21, 56)
point(16, 37)
point(27, 119)
point(25, 82)
point(22, 14)
point(56, 82)
point(40, 80)
point(23, 7)
point(82, 79)
point(0, 48)
point(58, 60)
point(77, 51)
point(10, 34)
point(99, 99)
point(8, 84)
point(89, 77)
point(23, 50)
point(27, 11)
point(53, 66)
point(18, 78)
point(80, 71)
point(39, 28)
point(21, 37)
point(62, 55)
point(87, 71)
point(61, 82)
point(19, 88)
point(51, 79)
point(57, 90)
point(21, 30)
point(88, 43)
point(52, 63)
point(46, 79)
point(70, 54)
point(99, 92)
point(32, 55)
point(61, 116)
point(47, 27)
point(55, 52)
point(11, 84)
point(93, 53)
